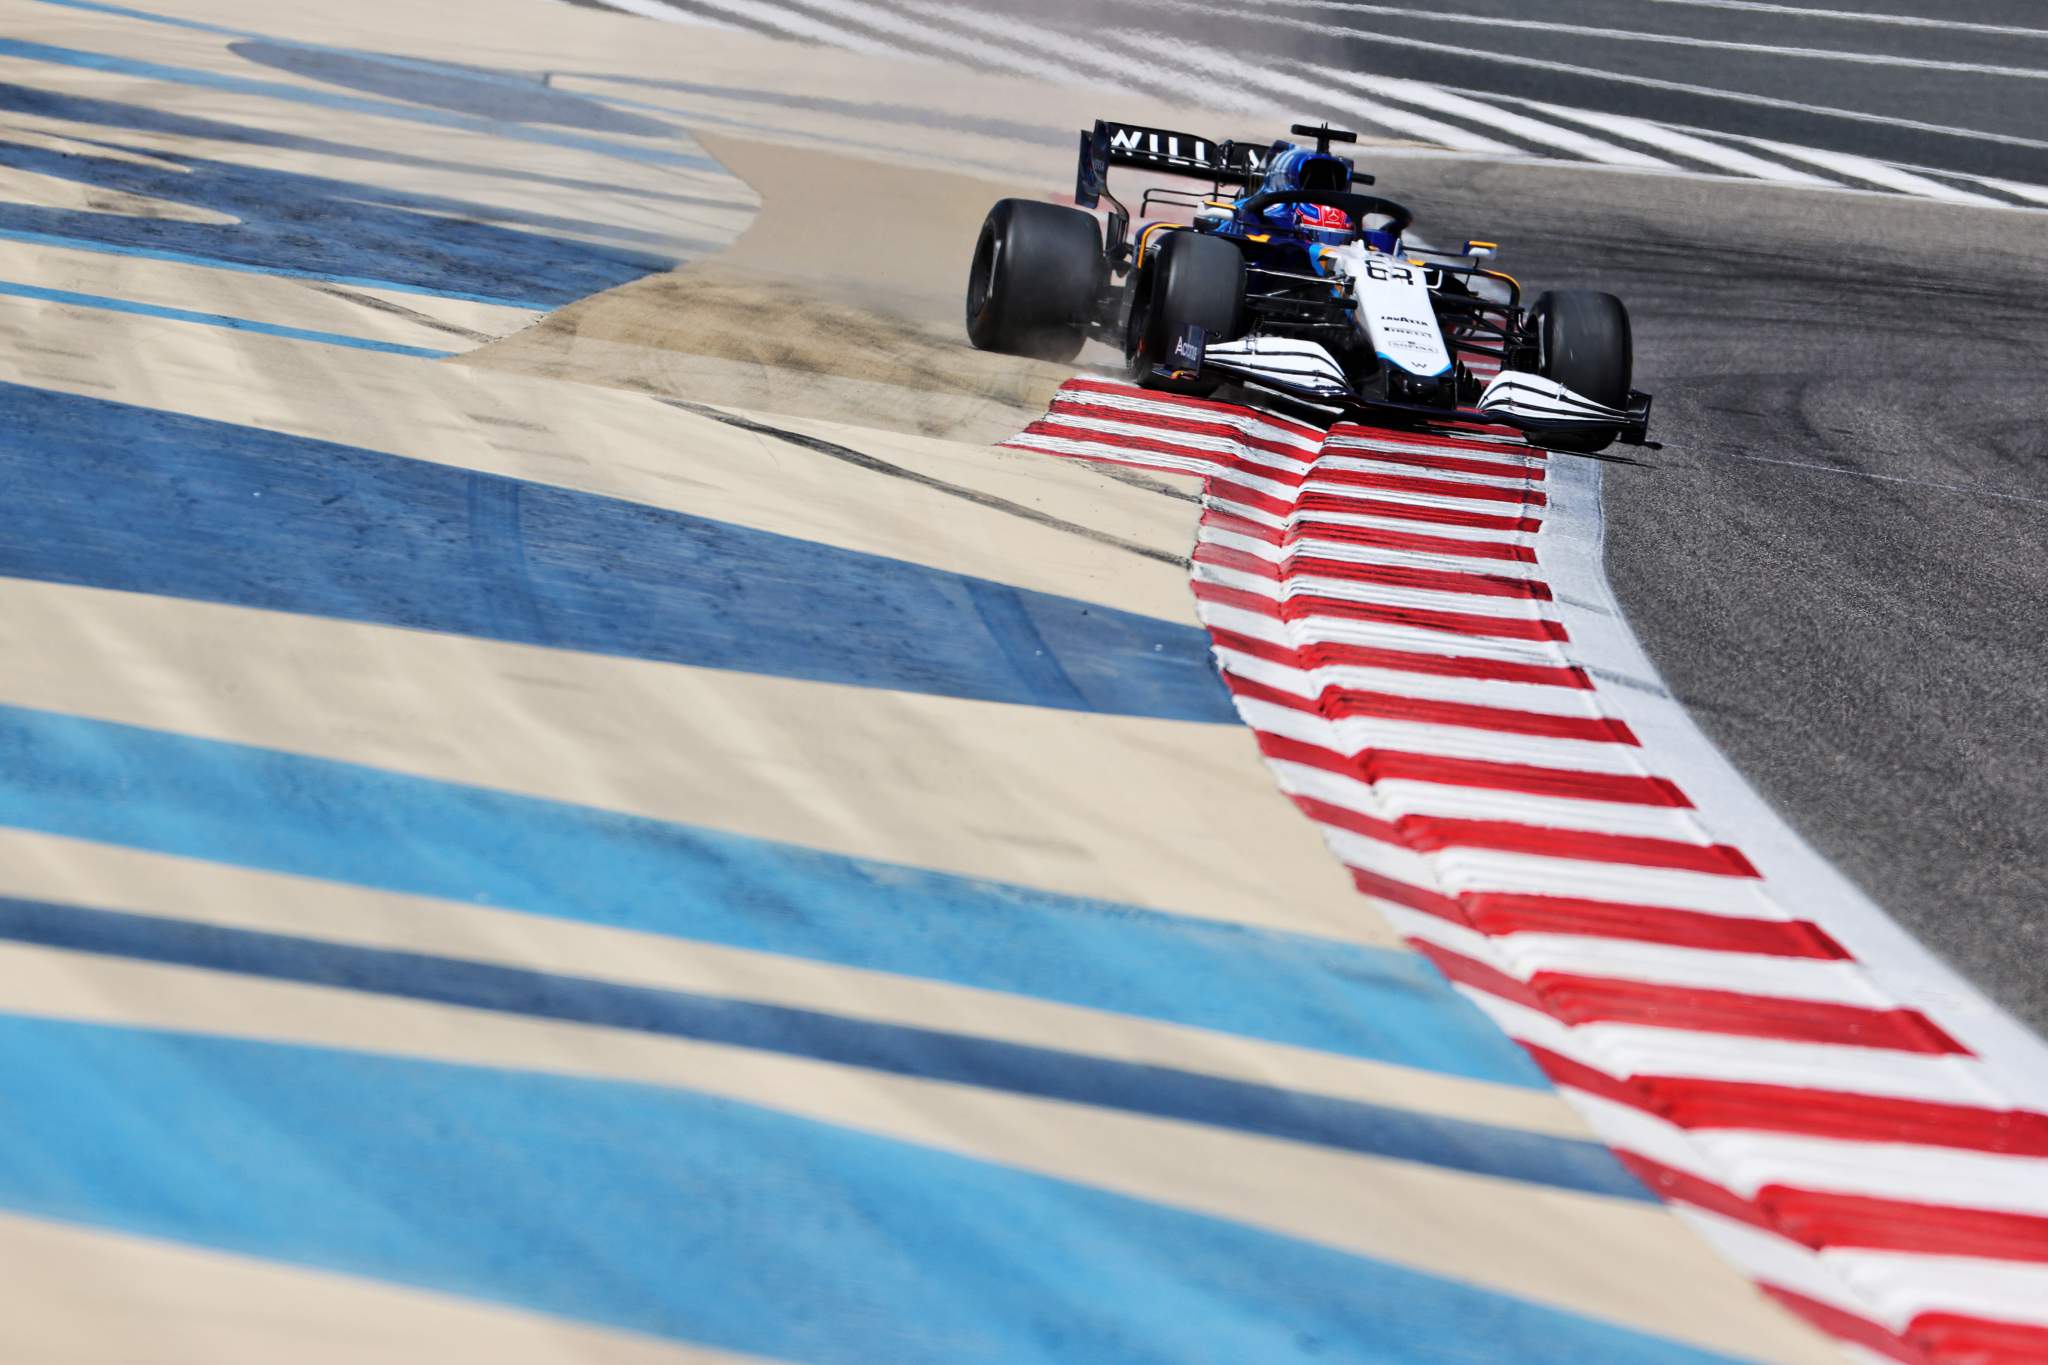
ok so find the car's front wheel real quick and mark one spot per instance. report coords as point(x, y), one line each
point(1188, 280)
point(1037, 272)
point(1584, 343)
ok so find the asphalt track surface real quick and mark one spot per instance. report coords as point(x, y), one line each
point(1951, 90)
point(1863, 629)
point(1839, 558)
point(1749, 67)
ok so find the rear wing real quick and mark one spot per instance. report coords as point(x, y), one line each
point(1161, 150)
point(1241, 166)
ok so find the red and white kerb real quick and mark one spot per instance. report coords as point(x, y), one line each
point(1378, 604)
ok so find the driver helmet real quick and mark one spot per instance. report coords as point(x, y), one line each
point(1300, 168)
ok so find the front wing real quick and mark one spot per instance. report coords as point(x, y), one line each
point(1529, 403)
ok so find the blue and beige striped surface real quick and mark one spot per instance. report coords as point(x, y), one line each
point(495, 859)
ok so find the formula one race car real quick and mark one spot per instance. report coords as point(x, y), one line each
point(1290, 278)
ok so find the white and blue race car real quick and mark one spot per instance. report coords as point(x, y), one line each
point(1285, 275)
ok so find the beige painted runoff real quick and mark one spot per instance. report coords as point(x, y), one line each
point(824, 220)
point(1618, 1263)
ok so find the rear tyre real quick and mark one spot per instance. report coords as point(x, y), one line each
point(1037, 272)
point(1187, 280)
point(1585, 345)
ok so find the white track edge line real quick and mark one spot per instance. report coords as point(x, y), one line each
point(1603, 642)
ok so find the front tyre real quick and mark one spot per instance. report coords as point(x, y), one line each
point(1585, 344)
point(1188, 280)
point(1037, 272)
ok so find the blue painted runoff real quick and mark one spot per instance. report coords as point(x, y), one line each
point(127, 117)
point(482, 92)
point(23, 50)
point(927, 1054)
point(111, 495)
point(283, 222)
point(697, 1218)
point(106, 248)
point(10, 289)
point(261, 808)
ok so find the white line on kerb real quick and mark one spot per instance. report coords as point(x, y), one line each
point(2037, 194)
point(1280, 87)
point(888, 21)
point(1646, 82)
point(783, 20)
point(657, 9)
point(1620, 35)
point(1385, 102)
point(1458, 106)
point(1841, 15)
point(1033, 36)
point(1854, 17)
point(1874, 172)
point(1680, 143)
point(2013, 1058)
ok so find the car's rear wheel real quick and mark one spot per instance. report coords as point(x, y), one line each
point(1186, 280)
point(1037, 272)
point(1585, 344)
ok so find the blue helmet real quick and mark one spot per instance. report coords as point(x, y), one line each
point(1301, 168)
point(1293, 168)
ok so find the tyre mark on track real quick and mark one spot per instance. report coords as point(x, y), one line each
point(1892, 478)
point(401, 311)
point(876, 465)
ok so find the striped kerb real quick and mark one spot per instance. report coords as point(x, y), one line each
point(1377, 604)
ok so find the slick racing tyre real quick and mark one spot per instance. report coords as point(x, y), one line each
point(1037, 273)
point(1585, 345)
point(1187, 280)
